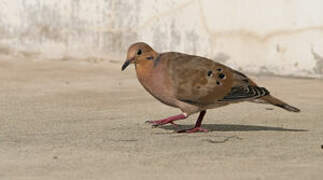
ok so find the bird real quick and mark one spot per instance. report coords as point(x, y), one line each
point(193, 84)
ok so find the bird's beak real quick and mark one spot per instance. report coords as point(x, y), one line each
point(126, 64)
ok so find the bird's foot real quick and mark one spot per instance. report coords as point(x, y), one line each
point(168, 120)
point(161, 122)
point(193, 130)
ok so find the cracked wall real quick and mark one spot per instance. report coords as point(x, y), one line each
point(283, 37)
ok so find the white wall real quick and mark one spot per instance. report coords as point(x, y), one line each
point(279, 36)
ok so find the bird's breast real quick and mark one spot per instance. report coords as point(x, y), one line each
point(157, 83)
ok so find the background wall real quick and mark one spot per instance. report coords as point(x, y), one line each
point(282, 37)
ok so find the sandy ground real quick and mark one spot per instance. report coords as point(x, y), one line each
point(73, 120)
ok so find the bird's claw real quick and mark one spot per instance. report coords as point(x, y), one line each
point(159, 123)
point(155, 125)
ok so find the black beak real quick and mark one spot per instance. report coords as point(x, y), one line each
point(125, 65)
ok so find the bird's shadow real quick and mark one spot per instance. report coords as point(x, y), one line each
point(231, 127)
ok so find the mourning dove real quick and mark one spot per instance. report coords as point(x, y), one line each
point(193, 83)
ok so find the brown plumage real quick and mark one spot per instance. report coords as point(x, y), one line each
point(193, 83)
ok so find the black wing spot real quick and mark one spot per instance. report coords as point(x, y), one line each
point(221, 76)
point(209, 73)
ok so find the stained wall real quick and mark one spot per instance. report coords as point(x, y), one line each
point(283, 37)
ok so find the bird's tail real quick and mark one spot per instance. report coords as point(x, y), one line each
point(279, 103)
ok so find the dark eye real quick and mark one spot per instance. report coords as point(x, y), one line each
point(139, 52)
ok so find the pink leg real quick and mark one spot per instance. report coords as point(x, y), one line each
point(197, 127)
point(168, 120)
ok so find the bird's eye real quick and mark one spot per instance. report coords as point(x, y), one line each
point(139, 52)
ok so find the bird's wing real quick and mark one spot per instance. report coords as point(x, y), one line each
point(198, 80)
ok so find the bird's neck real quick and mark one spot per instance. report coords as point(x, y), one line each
point(150, 72)
point(146, 66)
point(144, 71)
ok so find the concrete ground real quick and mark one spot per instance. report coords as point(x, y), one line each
point(80, 120)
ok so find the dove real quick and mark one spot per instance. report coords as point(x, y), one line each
point(193, 84)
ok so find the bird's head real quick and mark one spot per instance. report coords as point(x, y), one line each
point(138, 53)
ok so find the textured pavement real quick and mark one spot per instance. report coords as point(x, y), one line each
point(80, 120)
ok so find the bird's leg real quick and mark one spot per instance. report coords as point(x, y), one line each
point(168, 120)
point(197, 127)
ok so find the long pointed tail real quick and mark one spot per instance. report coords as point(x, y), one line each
point(279, 103)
